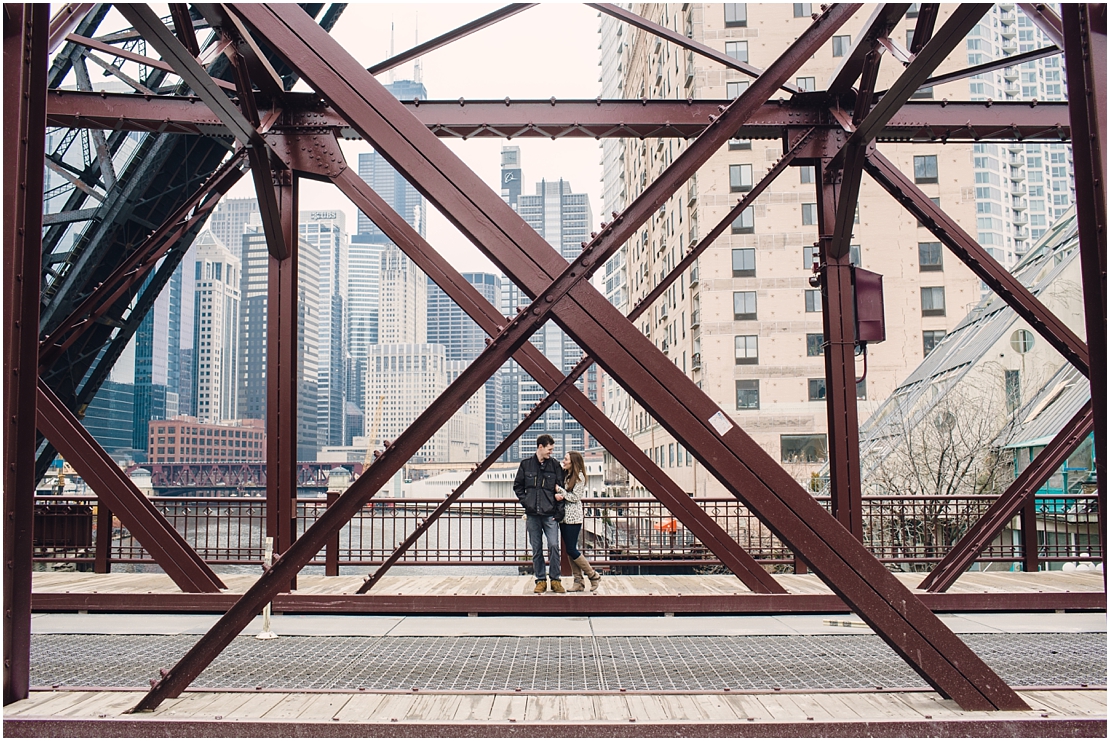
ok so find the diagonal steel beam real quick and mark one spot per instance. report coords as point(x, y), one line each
point(183, 27)
point(64, 21)
point(1020, 298)
point(1085, 57)
point(130, 56)
point(532, 361)
point(566, 384)
point(169, 549)
point(923, 31)
point(442, 40)
point(260, 70)
point(137, 266)
point(882, 21)
point(1007, 506)
point(25, 75)
point(683, 409)
point(246, 131)
point(685, 42)
point(1045, 18)
point(990, 66)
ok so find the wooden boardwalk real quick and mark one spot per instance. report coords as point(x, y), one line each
point(1073, 712)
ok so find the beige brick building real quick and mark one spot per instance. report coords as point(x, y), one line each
point(744, 323)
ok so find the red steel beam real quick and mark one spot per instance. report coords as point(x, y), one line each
point(169, 549)
point(134, 270)
point(838, 321)
point(282, 352)
point(64, 21)
point(684, 41)
point(133, 57)
point(1007, 506)
point(183, 27)
point(923, 31)
point(489, 318)
point(25, 65)
point(1045, 18)
point(914, 632)
point(916, 121)
point(1020, 298)
point(882, 21)
point(442, 40)
point(1085, 58)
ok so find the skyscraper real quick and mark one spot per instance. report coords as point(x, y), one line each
point(216, 329)
point(403, 292)
point(326, 232)
point(562, 217)
point(253, 336)
point(230, 218)
point(743, 321)
point(464, 340)
point(159, 371)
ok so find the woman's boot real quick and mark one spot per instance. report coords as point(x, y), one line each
point(584, 566)
point(579, 582)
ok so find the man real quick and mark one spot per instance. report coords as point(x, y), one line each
point(534, 486)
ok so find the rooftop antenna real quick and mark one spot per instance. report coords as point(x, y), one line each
point(391, 77)
point(416, 67)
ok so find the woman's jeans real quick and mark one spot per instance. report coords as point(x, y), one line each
point(570, 537)
point(538, 529)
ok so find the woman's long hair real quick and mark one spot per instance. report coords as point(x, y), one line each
point(577, 470)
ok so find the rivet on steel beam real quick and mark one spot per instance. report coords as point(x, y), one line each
point(552, 100)
point(506, 100)
point(462, 101)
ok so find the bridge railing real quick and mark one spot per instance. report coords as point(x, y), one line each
point(907, 533)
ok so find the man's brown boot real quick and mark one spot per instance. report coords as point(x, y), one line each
point(557, 587)
point(541, 587)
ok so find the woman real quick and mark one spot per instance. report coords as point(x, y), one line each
point(571, 526)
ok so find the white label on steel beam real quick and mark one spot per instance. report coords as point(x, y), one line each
point(721, 423)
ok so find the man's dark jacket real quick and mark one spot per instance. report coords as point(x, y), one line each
point(535, 485)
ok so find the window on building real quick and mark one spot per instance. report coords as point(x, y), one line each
point(922, 93)
point(815, 345)
point(747, 349)
point(930, 256)
point(932, 301)
point(740, 178)
point(841, 45)
point(736, 15)
point(925, 168)
point(1013, 390)
point(747, 394)
point(813, 301)
point(934, 200)
point(808, 174)
point(803, 10)
point(743, 305)
point(804, 448)
point(808, 255)
point(930, 338)
point(733, 89)
point(745, 222)
point(809, 213)
point(817, 389)
point(737, 144)
point(738, 50)
point(855, 255)
point(806, 84)
point(861, 389)
point(743, 263)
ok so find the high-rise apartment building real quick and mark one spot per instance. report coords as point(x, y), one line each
point(326, 232)
point(562, 217)
point(253, 335)
point(1020, 189)
point(743, 322)
point(464, 340)
point(162, 378)
point(216, 329)
point(406, 378)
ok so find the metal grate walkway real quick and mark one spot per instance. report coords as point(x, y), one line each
point(565, 664)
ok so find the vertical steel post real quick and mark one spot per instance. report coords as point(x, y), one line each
point(281, 375)
point(26, 35)
point(331, 550)
point(838, 318)
point(1085, 59)
point(103, 564)
point(1030, 557)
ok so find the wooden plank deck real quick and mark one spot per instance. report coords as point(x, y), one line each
point(239, 713)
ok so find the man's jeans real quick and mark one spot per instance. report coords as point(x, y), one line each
point(538, 528)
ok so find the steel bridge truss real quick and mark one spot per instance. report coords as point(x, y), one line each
point(233, 108)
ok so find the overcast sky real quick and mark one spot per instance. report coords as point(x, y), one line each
point(548, 50)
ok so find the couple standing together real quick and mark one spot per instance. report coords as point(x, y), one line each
point(545, 488)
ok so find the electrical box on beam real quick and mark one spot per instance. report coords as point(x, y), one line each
point(868, 289)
